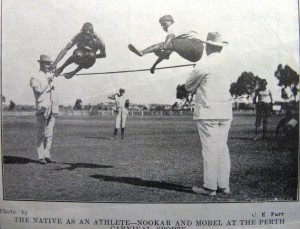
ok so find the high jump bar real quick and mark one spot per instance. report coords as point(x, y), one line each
point(137, 70)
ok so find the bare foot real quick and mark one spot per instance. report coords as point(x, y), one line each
point(69, 75)
point(152, 70)
point(134, 50)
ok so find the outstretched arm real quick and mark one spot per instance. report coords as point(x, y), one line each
point(101, 47)
point(63, 52)
point(113, 97)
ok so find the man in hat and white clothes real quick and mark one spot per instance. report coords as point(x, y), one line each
point(88, 43)
point(184, 42)
point(46, 112)
point(210, 83)
point(122, 105)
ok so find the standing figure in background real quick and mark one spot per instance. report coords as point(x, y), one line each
point(45, 109)
point(88, 43)
point(210, 82)
point(184, 98)
point(186, 43)
point(287, 129)
point(263, 104)
point(122, 105)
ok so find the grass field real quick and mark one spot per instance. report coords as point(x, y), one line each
point(159, 161)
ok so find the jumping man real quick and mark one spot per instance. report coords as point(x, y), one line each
point(88, 43)
point(186, 43)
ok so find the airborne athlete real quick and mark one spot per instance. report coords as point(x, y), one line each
point(186, 43)
point(88, 43)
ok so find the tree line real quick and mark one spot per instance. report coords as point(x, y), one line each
point(247, 83)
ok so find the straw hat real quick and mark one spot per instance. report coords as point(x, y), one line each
point(215, 38)
point(45, 58)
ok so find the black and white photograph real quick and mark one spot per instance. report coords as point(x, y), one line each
point(150, 103)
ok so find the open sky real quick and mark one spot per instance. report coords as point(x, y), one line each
point(261, 34)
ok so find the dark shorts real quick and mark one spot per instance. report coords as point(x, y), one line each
point(263, 111)
point(189, 49)
point(84, 58)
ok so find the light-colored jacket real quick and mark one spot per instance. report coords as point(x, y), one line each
point(210, 81)
point(42, 93)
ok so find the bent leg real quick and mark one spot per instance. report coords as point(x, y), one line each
point(89, 60)
point(151, 49)
point(189, 49)
point(69, 61)
point(79, 56)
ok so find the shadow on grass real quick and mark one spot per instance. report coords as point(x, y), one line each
point(99, 137)
point(242, 138)
point(17, 160)
point(73, 166)
point(144, 183)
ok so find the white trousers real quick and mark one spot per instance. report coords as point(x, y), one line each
point(44, 135)
point(121, 118)
point(216, 159)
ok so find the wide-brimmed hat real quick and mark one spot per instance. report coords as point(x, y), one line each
point(45, 58)
point(215, 38)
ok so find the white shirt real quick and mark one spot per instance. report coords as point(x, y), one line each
point(264, 96)
point(182, 32)
point(120, 101)
point(210, 81)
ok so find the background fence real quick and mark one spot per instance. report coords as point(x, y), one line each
point(73, 113)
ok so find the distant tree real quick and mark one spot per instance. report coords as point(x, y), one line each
point(288, 78)
point(3, 99)
point(12, 105)
point(78, 104)
point(246, 84)
point(142, 107)
point(159, 107)
point(87, 107)
point(175, 106)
